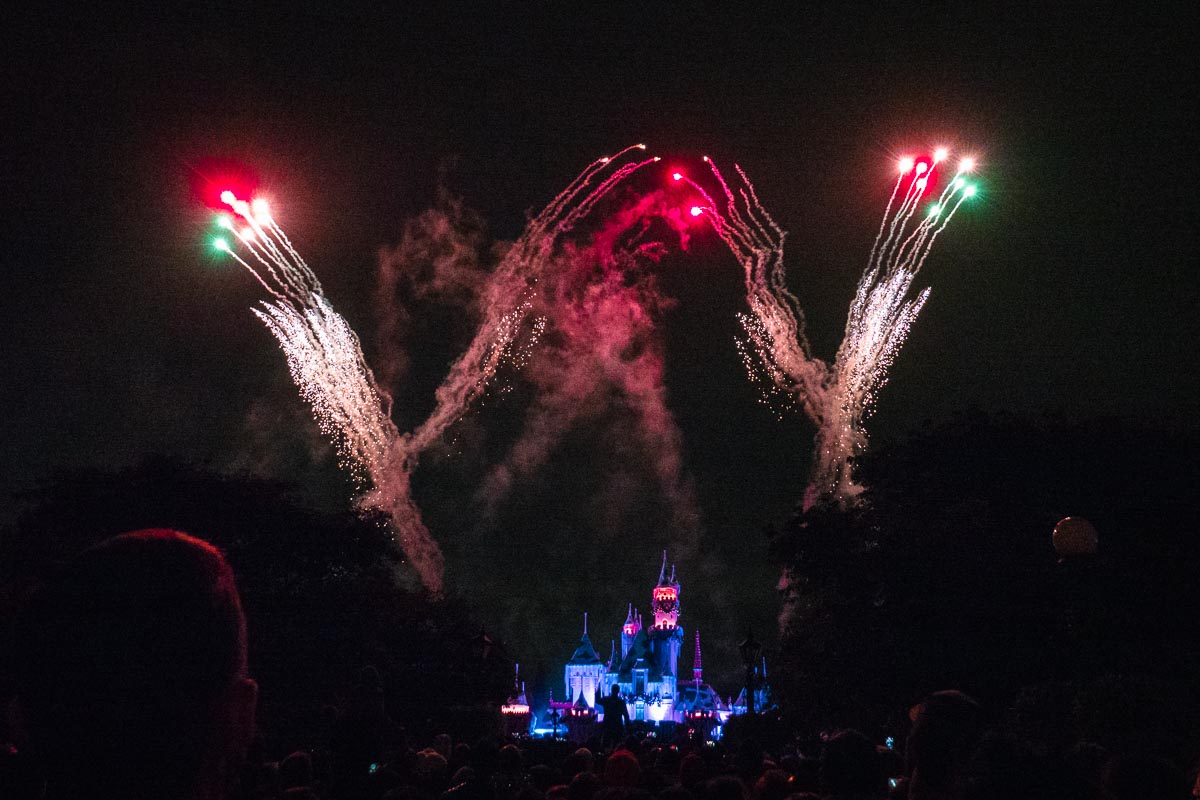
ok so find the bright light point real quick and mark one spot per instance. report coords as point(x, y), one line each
point(221, 244)
point(246, 235)
point(227, 197)
point(675, 176)
point(935, 209)
point(966, 165)
point(921, 183)
point(969, 191)
point(697, 211)
point(656, 158)
point(705, 158)
point(958, 183)
point(642, 146)
point(241, 207)
point(261, 208)
point(604, 160)
point(906, 164)
point(940, 154)
point(921, 168)
point(225, 222)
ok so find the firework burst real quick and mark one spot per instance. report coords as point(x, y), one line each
point(837, 397)
point(326, 361)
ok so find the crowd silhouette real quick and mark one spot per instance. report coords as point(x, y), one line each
point(131, 681)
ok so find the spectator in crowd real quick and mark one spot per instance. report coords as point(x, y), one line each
point(850, 767)
point(131, 672)
point(945, 732)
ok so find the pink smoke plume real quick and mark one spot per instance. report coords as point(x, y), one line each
point(438, 256)
point(601, 353)
point(508, 329)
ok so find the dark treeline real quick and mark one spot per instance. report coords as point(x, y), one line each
point(943, 576)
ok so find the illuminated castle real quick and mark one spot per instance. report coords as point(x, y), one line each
point(647, 669)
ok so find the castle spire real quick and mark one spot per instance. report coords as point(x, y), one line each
point(697, 667)
point(585, 623)
point(672, 574)
point(662, 573)
point(629, 615)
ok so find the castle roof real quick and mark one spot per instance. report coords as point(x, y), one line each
point(699, 697)
point(663, 580)
point(648, 652)
point(585, 653)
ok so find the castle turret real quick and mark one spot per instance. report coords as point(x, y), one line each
point(665, 598)
point(584, 671)
point(697, 668)
point(629, 631)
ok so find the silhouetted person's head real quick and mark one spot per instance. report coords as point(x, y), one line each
point(622, 769)
point(850, 766)
point(945, 733)
point(131, 670)
point(296, 770)
point(1135, 776)
point(615, 690)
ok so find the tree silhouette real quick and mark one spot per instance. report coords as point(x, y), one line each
point(945, 576)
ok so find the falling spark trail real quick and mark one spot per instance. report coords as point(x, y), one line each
point(507, 302)
point(838, 396)
point(326, 360)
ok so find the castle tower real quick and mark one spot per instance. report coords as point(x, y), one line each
point(629, 631)
point(665, 598)
point(697, 668)
point(667, 633)
point(584, 671)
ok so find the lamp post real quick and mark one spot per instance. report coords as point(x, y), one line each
point(750, 648)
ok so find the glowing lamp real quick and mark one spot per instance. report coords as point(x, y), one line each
point(966, 165)
point(940, 154)
point(922, 167)
point(227, 197)
point(675, 176)
point(221, 245)
point(697, 211)
point(906, 164)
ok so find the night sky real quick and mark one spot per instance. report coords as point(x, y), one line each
point(1068, 287)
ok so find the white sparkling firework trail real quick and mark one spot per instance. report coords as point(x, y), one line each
point(326, 361)
point(506, 303)
point(776, 352)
